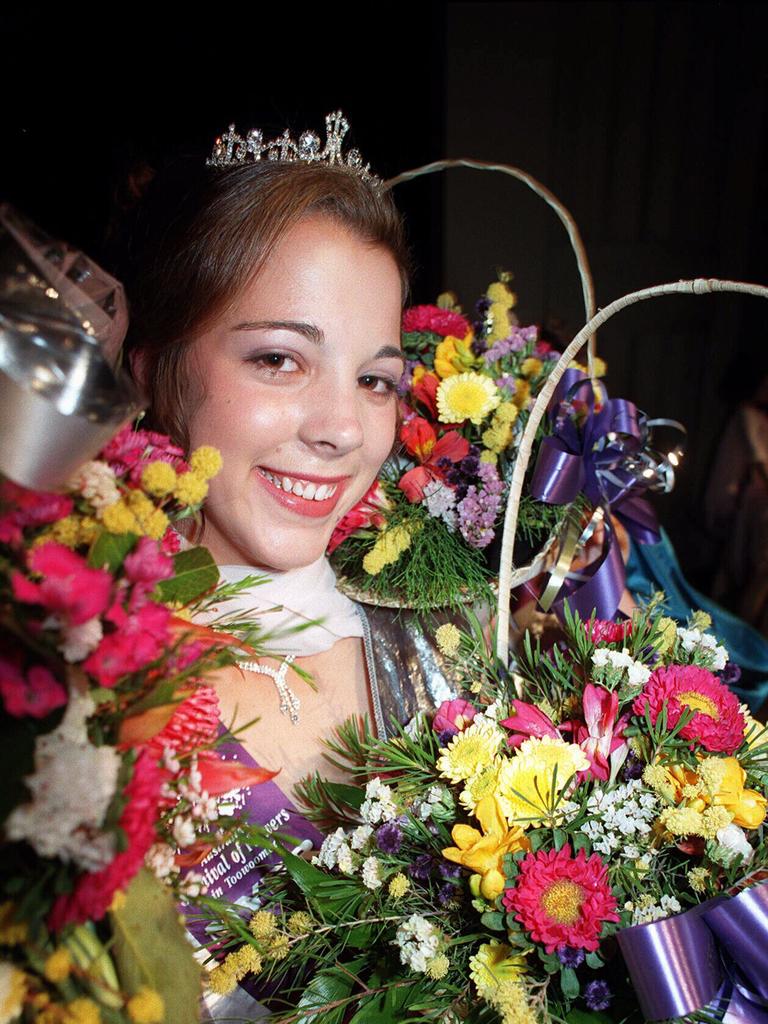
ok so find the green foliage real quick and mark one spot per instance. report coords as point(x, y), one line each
point(195, 573)
point(108, 551)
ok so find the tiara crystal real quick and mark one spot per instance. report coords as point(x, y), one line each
point(232, 149)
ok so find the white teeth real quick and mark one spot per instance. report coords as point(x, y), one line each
point(306, 489)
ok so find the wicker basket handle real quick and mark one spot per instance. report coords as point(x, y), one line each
point(700, 286)
point(587, 285)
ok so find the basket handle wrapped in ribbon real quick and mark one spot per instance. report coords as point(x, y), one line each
point(698, 286)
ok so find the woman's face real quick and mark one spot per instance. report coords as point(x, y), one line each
point(298, 383)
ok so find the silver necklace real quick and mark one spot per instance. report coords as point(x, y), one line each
point(289, 702)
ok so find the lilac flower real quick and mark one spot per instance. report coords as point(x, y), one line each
point(633, 768)
point(445, 737)
point(597, 995)
point(515, 342)
point(421, 868)
point(404, 383)
point(731, 674)
point(570, 956)
point(389, 837)
point(479, 509)
point(461, 475)
point(446, 894)
point(450, 870)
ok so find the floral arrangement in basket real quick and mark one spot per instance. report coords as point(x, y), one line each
point(465, 397)
point(481, 861)
point(109, 768)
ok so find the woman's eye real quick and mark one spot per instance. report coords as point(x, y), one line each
point(274, 362)
point(379, 385)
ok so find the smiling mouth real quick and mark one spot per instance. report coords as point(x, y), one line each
point(301, 487)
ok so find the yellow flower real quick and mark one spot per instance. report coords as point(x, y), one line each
point(300, 923)
point(222, 980)
point(746, 806)
point(13, 989)
point(262, 925)
point(158, 478)
point(448, 638)
point(499, 435)
point(206, 461)
point(698, 879)
point(279, 947)
point(146, 1007)
point(531, 367)
point(501, 321)
point(755, 733)
point(472, 750)
point(530, 782)
point(12, 932)
point(58, 965)
point(493, 964)
point(511, 1000)
point(598, 364)
point(499, 292)
point(522, 393)
point(454, 355)
point(85, 1011)
point(118, 518)
point(482, 784)
point(667, 634)
point(713, 819)
point(483, 852)
point(467, 396)
point(399, 886)
point(191, 488)
point(701, 620)
point(682, 821)
point(390, 544)
point(67, 531)
point(488, 456)
point(438, 966)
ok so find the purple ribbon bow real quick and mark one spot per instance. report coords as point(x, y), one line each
point(712, 957)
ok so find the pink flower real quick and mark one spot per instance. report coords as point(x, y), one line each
point(94, 891)
point(367, 512)
point(139, 640)
point(526, 720)
point(435, 320)
point(717, 724)
point(194, 723)
point(171, 542)
point(28, 508)
point(606, 632)
point(147, 564)
point(68, 587)
point(130, 451)
point(601, 736)
point(562, 900)
point(453, 716)
point(35, 692)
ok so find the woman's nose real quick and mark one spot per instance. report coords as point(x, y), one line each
point(331, 419)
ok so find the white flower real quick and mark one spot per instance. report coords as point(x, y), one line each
point(419, 942)
point(732, 843)
point(170, 760)
point(371, 873)
point(161, 860)
point(328, 852)
point(80, 640)
point(360, 836)
point(72, 786)
point(184, 831)
point(600, 657)
point(379, 804)
point(693, 641)
point(192, 885)
point(96, 482)
point(638, 674)
point(415, 727)
point(344, 860)
point(440, 500)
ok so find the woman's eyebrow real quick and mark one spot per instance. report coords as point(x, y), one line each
point(308, 331)
point(390, 352)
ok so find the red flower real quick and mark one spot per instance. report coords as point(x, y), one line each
point(69, 586)
point(601, 735)
point(606, 632)
point(562, 900)
point(453, 715)
point(424, 392)
point(419, 437)
point(194, 723)
point(34, 692)
point(28, 508)
point(140, 638)
point(367, 512)
point(717, 724)
point(451, 446)
point(94, 891)
point(435, 320)
point(526, 720)
point(131, 450)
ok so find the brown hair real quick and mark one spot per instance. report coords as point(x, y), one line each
point(201, 245)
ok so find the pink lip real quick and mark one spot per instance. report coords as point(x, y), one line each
point(307, 476)
point(305, 506)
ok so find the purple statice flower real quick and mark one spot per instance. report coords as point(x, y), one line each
point(446, 894)
point(445, 737)
point(597, 995)
point(448, 870)
point(389, 838)
point(514, 342)
point(421, 868)
point(461, 475)
point(404, 383)
point(633, 768)
point(479, 509)
point(570, 956)
point(731, 673)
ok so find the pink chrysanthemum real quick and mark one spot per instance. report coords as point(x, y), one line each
point(438, 321)
point(717, 724)
point(94, 891)
point(562, 900)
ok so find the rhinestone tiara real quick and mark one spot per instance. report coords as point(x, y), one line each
point(232, 149)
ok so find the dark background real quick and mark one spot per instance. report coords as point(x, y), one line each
point(648, 120)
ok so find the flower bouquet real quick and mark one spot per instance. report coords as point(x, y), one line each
point(109, 767)
point(481, 862)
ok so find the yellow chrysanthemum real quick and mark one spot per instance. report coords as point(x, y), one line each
point(701, 620)
point(262, 925)
point(191, 488)
point(711, 772)
point(206, 461)
point(438, 966)
point(399, 886)
point(58, 965)
point(492, 965)
point(85, 1011)
point(469, 753)
point(531, 367)
point(146, 1007)
point(467, 396)
point(300, 923)
point(530, 782)
point(389, 545)
point(511, 1000)
point(448, 638)
point(158, 478)
point(483, 783)
point(713, 819)
point(682, 821)
point(13, 989)
point(501, 293)
point(491, 457)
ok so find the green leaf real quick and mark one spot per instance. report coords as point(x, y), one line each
point(360, 937)
point(588, 1017)
point(151, 948)
point(195, 573)
point(326, 987)
point(353, 796)
point(313, 882)
point(569, 983)
point(494, 920)
point(581, 842)
point(560, 838)
point(109, 550)
point(538, 838)
point(595, 961)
